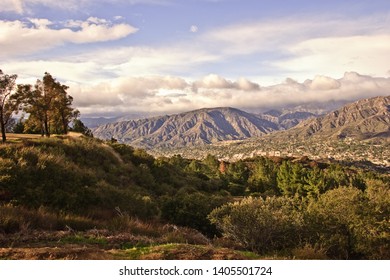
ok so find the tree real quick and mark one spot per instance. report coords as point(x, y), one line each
point(212, 164)
point(263, 176)
point(8, 104)
point(237, 172)
point(284, 179)
point(335, 220)
point(63, 112)
point(19, 126)
point(79, 126)
point(48, 104)
point(291, 178)
point(315, 182)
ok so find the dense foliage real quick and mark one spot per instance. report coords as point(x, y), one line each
point(7, 104)
point(266, 205)
point(46, 103)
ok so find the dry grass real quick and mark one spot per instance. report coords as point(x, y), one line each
point(22, 220)
point(191, 252)
point(18, 136)
point(69, 252)
point(93, 252)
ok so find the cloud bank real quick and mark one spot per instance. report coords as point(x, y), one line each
point(168, 94)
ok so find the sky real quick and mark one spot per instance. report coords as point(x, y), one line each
point(157, 57)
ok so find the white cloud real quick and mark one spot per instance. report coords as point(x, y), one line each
point(17, 37)
point(334, 55)
point(26, 6)
point(12, 6)
point(305, 46)
point(40, 23)
point(143, 60)
point(323, 83)
point(130, 94)
point(246, 85)
point(214, 81)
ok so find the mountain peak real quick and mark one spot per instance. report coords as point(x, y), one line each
point(198, 127)
point(362, 119)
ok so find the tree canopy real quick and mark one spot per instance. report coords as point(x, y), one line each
point(7, 104)
point(48, 105)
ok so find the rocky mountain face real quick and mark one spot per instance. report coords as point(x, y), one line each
point(362, 119)
point(204, 126)
point(286, 119)
point(358, 132)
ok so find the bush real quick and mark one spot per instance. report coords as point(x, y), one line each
point(261, 225)
point(191, 210)
point(341, 223)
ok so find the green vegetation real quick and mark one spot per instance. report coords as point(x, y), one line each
point(7, 104)
point(47, 104)
point(116, 197)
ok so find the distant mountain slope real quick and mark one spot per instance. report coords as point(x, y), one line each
point(362, 119)
point(198, 127)
point(93, 122)
point(286, 120)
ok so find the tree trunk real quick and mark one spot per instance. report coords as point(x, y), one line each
point(46, 127)
point(2, 124)
point(64, 124)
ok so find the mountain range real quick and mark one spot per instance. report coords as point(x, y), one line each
point(204, 126)
point(362, 119)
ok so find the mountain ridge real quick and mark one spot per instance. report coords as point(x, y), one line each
point(362, 119)
point(197, 127)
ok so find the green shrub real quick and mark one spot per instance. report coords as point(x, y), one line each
point(261, 225)
point(191, 210)
point(343, 223)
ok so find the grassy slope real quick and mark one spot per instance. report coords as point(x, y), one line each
point(33, 227)
point(77, 198)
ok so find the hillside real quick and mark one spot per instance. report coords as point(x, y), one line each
point(362, 119)
point(286, 119)
point(204, 126)
point(82, 198)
